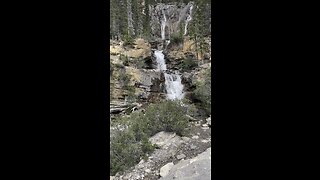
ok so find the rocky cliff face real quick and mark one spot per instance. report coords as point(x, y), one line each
point(169, 18)
point(176, 157)
point(136, 82)
point(134, 74)
point(138, 63)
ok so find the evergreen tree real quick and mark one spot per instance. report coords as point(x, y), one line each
point(146, 22)
point(199, 27)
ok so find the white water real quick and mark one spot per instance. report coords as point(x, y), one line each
point(161, 64)
point(163, 26)
point(189, 18)
point(174, 87)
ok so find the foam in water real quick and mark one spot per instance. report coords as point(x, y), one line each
point(174, 87)
point(161, 64)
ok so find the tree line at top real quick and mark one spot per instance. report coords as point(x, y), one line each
point(130, 19)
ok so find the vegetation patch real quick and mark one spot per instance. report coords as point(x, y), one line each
point(176, 39)
point(203, 92)
point(128, 146)
point(188, 64)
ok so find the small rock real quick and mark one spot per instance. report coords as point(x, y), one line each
point(185, 138)
point(205, 141)
point(195, 137)
point(112, 177)
point(162, 138)
point(147, 171)
point(205, 128)
point(181, 156)
point(193, 147)
point(204, 125)
point(142, 161)
point(209, 120)
point(166, 169)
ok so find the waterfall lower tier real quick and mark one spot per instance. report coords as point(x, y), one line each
point(174, 87)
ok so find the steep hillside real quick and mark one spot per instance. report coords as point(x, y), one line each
point(160, 61)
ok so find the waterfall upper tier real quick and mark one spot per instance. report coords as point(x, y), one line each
point(167, 18)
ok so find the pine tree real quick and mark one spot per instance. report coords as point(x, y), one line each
point(146, 22)
point(198, 28)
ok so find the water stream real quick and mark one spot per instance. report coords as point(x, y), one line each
point(189, 18)
point(174, 87)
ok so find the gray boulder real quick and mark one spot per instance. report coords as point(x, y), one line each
point(197, 168)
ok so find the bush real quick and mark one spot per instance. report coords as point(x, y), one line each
point(126, 151)
point(190, 108)
point(128, 40)
point(166, 116)
point(176, 39)
point(124, 79)
point(188, 64)
point(131, 97)
point(118, 66)
point(139, 63)
point(203, 92)
point(129, 146)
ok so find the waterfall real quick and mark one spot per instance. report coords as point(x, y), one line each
point(174, 87)
point(161, 64)
point(189, 18)
point(163, 26)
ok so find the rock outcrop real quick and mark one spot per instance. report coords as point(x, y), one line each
point(197, 168)
point(169, 17)
point(174, 156)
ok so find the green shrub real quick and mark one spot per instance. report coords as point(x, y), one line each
point(129, 146)
point(125, 60)
point(125, 151)
point(118, 66)
point(203, 92)
point(128, 40)
point(131, 97)
point(124, 79)
point(176, 39)
point(190, 108)
point(188, 64)
point(166, 116)
point(139, 63)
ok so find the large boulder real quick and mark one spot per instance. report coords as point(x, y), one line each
point(197, 168)
point(164, 171)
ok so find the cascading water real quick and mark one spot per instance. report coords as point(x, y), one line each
point(174, 87)
point(189, 18)
point(163, 26)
